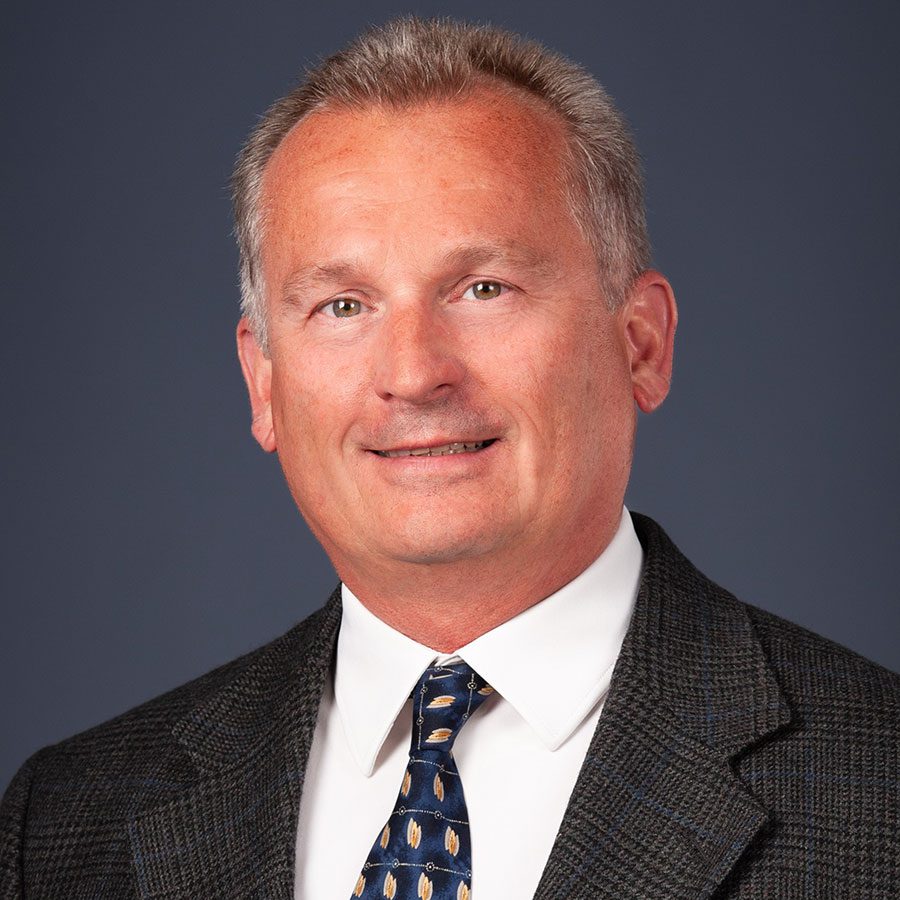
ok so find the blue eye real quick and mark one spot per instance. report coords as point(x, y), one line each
point(344, 307)
point(484, 290)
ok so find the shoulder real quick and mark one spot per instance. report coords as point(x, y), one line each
point(830, 778)
point(813, 672)
point(139, 740)
point(65, 817)
point(819, 729)
point(137, 751)
point(831, 688)
point(80, 790)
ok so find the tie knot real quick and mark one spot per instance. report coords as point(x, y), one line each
point(443, 700)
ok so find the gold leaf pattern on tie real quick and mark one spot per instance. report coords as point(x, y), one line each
point(451, 841)
point(426, 889)
point(443, 700)
point(406, 861)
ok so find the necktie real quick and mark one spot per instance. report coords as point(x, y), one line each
point(424, 851)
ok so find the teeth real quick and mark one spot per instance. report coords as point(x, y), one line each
point(445, 450)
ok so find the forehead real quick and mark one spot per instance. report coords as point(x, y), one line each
point(489, 133)
point(490, 161)
point(482, 119)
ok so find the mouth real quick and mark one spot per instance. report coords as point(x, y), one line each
point(441, 450)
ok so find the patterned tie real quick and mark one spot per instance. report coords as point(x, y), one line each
point(424, 853)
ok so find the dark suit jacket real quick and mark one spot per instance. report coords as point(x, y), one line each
point(737, 756)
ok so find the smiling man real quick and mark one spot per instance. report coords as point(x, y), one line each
point(446, 378)
point(519, 689)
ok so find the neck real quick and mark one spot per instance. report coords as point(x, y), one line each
point(447, 605)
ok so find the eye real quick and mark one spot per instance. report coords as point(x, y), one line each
point(484, 290)
point(343, 308)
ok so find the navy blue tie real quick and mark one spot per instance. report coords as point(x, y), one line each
point(424, 852)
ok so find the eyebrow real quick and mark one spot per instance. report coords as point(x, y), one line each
point(465, 257)
point(476, 255)
point(305, 277)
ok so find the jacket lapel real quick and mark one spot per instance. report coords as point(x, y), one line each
point(232, 833)
point(657, 810)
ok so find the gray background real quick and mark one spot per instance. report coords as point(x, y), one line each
point(145, 538)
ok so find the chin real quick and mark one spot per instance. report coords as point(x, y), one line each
point(426, 547)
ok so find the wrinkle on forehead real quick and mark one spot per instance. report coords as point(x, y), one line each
point(492, 100)
point(468, 257)
point(376, 168)
point(530, 134)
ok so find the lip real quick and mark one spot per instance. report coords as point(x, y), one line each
point(436, 449)
point(412, 471)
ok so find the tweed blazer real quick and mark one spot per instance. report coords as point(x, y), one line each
point(737, 756)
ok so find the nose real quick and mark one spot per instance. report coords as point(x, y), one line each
point(416, 359)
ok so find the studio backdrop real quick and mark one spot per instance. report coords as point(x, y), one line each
point(146, 538)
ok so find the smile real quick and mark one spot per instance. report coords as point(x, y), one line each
point(443, 450)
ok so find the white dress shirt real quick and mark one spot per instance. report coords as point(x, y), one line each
point(519, 755)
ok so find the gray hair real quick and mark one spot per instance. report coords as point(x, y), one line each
point(410, 61)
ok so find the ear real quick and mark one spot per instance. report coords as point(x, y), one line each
point(257, 369)
point(650, 317)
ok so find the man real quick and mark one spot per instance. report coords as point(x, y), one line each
point(449, 321)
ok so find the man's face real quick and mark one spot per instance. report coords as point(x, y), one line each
point(445, 380)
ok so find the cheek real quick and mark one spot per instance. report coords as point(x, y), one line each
point(588, 371)
point(314, 407)
point(289, 407)
point(297, 403)
point(588, 402)
point(305, 428)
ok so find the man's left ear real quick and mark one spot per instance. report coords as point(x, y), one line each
point(650, 317)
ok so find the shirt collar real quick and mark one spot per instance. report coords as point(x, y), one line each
point(552, 662)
